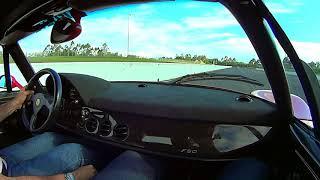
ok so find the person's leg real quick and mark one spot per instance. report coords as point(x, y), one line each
point(132, 165)
point(61, 159)
point(248, 169)
point(32, 147)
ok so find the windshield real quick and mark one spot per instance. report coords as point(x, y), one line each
point(156, 42)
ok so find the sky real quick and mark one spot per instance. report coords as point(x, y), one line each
point(201, 28)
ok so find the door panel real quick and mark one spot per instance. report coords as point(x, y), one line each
point(307, 148)
point(306, 138)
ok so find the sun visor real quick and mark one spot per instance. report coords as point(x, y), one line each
point(100, 4)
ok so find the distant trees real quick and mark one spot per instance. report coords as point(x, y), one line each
point(78, 49)
point(225, 61)
point(255, 63)
point(189, 57)
point(315, 66)
point(228, 60)
point(287, 63)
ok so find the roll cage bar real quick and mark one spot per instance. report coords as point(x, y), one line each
point(251, 15)
point(6, 66)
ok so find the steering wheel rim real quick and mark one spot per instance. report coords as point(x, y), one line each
point(41, 99)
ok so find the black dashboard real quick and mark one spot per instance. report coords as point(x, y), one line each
point(173, 120)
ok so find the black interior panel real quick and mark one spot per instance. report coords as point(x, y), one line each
point(183, 102)
point(174, 120)
point(172, 101)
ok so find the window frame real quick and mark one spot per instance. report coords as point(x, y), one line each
point(6, 67)
point(304, 72)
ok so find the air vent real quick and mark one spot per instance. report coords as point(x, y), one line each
point(121, 132)
point(105, 128)
point(92, 125)
point(244, 98)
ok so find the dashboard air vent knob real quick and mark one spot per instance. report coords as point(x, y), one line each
point(105, 128)
point(121, 131)
point(92, 125)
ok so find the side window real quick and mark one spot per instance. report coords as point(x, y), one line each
point(296, 18)
point(298, 99)
point(299, 104)
point(16, 75)
point(1, 71)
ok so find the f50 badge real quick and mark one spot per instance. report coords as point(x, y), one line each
point(189, 151)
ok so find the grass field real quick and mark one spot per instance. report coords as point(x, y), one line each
point(57, 59)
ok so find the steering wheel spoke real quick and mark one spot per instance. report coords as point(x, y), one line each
point(33, 120)
point(48, 102)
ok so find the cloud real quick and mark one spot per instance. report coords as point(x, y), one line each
point(219, 35)
point(297, 3)
point(143, 9)
point(277, 8)
point(209, 22)
point(307, 51)
point(42, 37)
point(220, 19)
point(146, 39)
point(238, 47)
point(192, 5)
point(215, 19)
point(284, 6)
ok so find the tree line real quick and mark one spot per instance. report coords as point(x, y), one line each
point(315, 66)
point(78, 49)
point(225, 61)
point(73, 49)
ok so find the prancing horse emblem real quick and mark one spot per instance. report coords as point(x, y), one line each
point(38, 101)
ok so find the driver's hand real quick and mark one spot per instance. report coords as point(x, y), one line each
point(21, 98)
point(84, 172)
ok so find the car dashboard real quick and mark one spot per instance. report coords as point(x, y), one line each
point(184, 121)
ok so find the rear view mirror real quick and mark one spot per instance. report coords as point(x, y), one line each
point(66, 29)
point(14, 83)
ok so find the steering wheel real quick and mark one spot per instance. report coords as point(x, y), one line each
point(39, 113)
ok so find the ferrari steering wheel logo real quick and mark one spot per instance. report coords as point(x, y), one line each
point(38, 101)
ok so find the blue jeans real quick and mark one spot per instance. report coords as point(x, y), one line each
point(50, 153)
point(134, 166)
point(47, 154)
point(248, 169)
